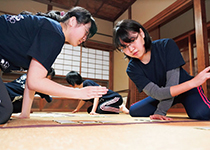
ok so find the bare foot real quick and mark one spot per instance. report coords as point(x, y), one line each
point(124, 109)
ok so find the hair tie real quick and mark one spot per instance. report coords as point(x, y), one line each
point(62, 13)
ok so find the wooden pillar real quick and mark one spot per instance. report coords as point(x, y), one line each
point(111, 68)
point(49, 7)
point(132, 93)
point(201, 34)
point(132, 88)
point(191, 55)
point(201, 37)
point(41, 104)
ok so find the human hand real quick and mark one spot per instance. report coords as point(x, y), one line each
point(92, 92)
point(20, 116)
point(159, 117)
point(200, 78)
point(74, 111)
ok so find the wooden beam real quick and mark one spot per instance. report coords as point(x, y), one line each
point(201, 37)
point(174, 10)
point(62, 3)
point(99, 45)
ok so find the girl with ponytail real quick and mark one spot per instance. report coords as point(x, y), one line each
point(32, 42)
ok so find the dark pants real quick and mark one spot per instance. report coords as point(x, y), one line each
point(194, 101)
point(17, 106)
point(110, 106)
point(6, 107)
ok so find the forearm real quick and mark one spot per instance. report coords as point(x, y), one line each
point(193, 83)
point(172, 89)
point(175, 90)
point(28, 97)
point(163, 106)
point(156, 92)
point(95, 104)
point(37, 81)
point(162, 93)
point(181, 88)
point(47, 86)
point(81, 103)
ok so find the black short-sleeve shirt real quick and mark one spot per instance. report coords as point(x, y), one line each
point(26, 36)
point(165, 56)
point(109, 95)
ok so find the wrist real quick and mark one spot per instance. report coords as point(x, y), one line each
point(75, 94)
point(191, 84)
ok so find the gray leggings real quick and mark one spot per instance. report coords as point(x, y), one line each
point(6, 107)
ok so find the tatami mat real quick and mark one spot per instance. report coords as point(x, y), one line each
point(53, 119)
point(104, 132)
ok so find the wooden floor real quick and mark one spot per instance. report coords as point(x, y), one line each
point(67, 131)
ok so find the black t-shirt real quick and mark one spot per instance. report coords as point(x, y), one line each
point(165, 56)
point(109, 95)
point(16, 89)
point(26, 36)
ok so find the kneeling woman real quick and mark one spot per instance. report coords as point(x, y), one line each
point(110, 103)
point(156, 68)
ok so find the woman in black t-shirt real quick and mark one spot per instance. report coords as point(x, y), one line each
point(156, 68)
point(33, 42)
point(109, 103)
